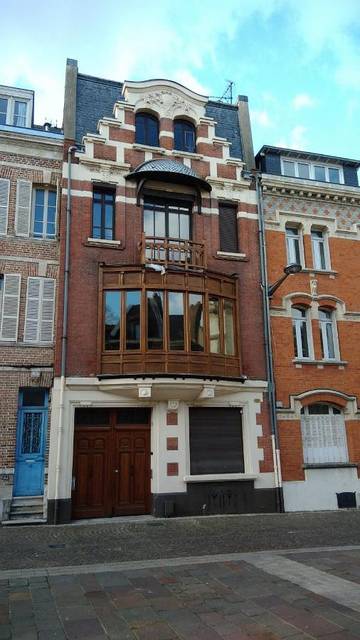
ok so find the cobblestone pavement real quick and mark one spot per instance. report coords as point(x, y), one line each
point(119, 541)
point(258, 596)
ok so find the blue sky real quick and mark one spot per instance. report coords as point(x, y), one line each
point(297, 60)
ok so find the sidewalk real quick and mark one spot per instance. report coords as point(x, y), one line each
point(301, 595)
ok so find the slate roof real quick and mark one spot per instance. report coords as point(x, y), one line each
point(96, 97)
point(166, 168)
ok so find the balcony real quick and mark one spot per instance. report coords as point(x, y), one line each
point(172, 251)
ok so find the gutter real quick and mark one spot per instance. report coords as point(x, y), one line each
point(256, 177)
point(64, 338)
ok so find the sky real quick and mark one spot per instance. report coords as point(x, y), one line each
point(298, 61)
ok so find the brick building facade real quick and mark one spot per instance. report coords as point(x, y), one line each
point(312, 212)
point(30, 173)
point(159, 402)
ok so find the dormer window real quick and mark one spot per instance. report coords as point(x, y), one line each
point(184, 136)
point(311, 171)
point(146, 129)
point(15, 106)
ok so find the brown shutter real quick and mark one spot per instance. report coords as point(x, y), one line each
point(228, 228)
point(216, 443)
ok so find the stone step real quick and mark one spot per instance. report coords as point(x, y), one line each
point(27, 500)
point(24, 511)
point(19, 521)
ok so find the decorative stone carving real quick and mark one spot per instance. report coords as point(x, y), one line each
point(314, 288)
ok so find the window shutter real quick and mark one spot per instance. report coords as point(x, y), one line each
point(4, 205)
point(10, 307)
point(32, 310)
point(324, 439)
point(47, 310)
point(228, 228)
point(23, 208)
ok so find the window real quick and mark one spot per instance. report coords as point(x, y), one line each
point(319, 249)
point(216, 445)
point(103, 214)
point(155, 320)
point(301, 330)
point(323, 434)
point(44, 213)
point(40, 309)
point(1, 291)
point(293, 244)
point(146, 129)
point(327, 334)
point(228, 228)
point(184, 136)
point(167, 219)
point(15, 109)
point(312, 171)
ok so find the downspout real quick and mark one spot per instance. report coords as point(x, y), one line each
point(268, 347)
point(64, 336)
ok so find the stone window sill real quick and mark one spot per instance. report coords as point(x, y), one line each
point(229, 255)
point(325, 272)
point(148, 147)
point(220, 477)
point(329, 465)
point(337, 363)
point(187, 154)
point(111, 244)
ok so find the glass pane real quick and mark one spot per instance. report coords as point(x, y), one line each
point(160, 224)
point(297, 313)
point(304, 340)
point(152, 132)
point(155, 319)
point(140, 129)
point(133, 319)
point(33, 397)
point(176, 320)
point(214, 325)
point(334, 175)
point(3, 110)
point(174, 227)
point(330, 340)
point(319, 173)
point(109, 221)
point(318, 409)
point(39, 197)
point(92, 417)
point(96, 219)
point(184, 226)
point(292, 231)
point(295, 341)
point(229, 328)
point(20, 114)
point(304, 170)
point(149, 228)
point(189, 137)
point(31, 435)
point(288, 168)
point(112, 320)
point(196, 321)
point(322, 261)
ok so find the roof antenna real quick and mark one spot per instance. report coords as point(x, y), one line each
point(227, 96)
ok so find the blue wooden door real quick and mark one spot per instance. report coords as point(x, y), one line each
point(30, 446)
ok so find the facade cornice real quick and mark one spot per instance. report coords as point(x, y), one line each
point(311, 189)
point(9, 141)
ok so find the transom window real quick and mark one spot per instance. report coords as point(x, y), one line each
point(184, 136)
point(146, 129)
point(319, 249)
point(293, 244)
point(323, 434)
point(103, 214)
point(44, 213)
point(327, 334)
point(168, 320)
point(301, 332)
point(312, 171)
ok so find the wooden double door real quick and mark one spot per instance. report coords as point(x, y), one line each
point(111, 471)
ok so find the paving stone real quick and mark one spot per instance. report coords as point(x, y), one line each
point(156, 631)
point(83, 629)
point(5, 632)
point(138, 616)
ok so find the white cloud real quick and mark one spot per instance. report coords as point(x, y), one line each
point(261, 118)
point(297, 139)
point(187, 79)
point(303, 100)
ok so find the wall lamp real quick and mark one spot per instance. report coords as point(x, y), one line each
point(289, 270)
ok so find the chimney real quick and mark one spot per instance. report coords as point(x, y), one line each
point(70, 99)
point(245, 132)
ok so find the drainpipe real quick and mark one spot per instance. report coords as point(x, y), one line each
point(64, 336)
point(268, 346)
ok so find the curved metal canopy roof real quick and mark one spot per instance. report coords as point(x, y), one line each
point(168, 170)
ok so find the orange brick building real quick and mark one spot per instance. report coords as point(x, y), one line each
point(312, 212)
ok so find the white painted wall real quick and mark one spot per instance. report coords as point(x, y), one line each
point(318, 491)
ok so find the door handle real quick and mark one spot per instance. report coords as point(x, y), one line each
point(116, 470)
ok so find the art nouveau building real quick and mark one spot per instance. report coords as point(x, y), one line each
point(30, 174)
point(159, 402)
point(312, 214)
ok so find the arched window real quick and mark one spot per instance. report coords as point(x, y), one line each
point(323, 434)
point(327, 334)
point(301, 332)
point(146, 129)
point(184, 136)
